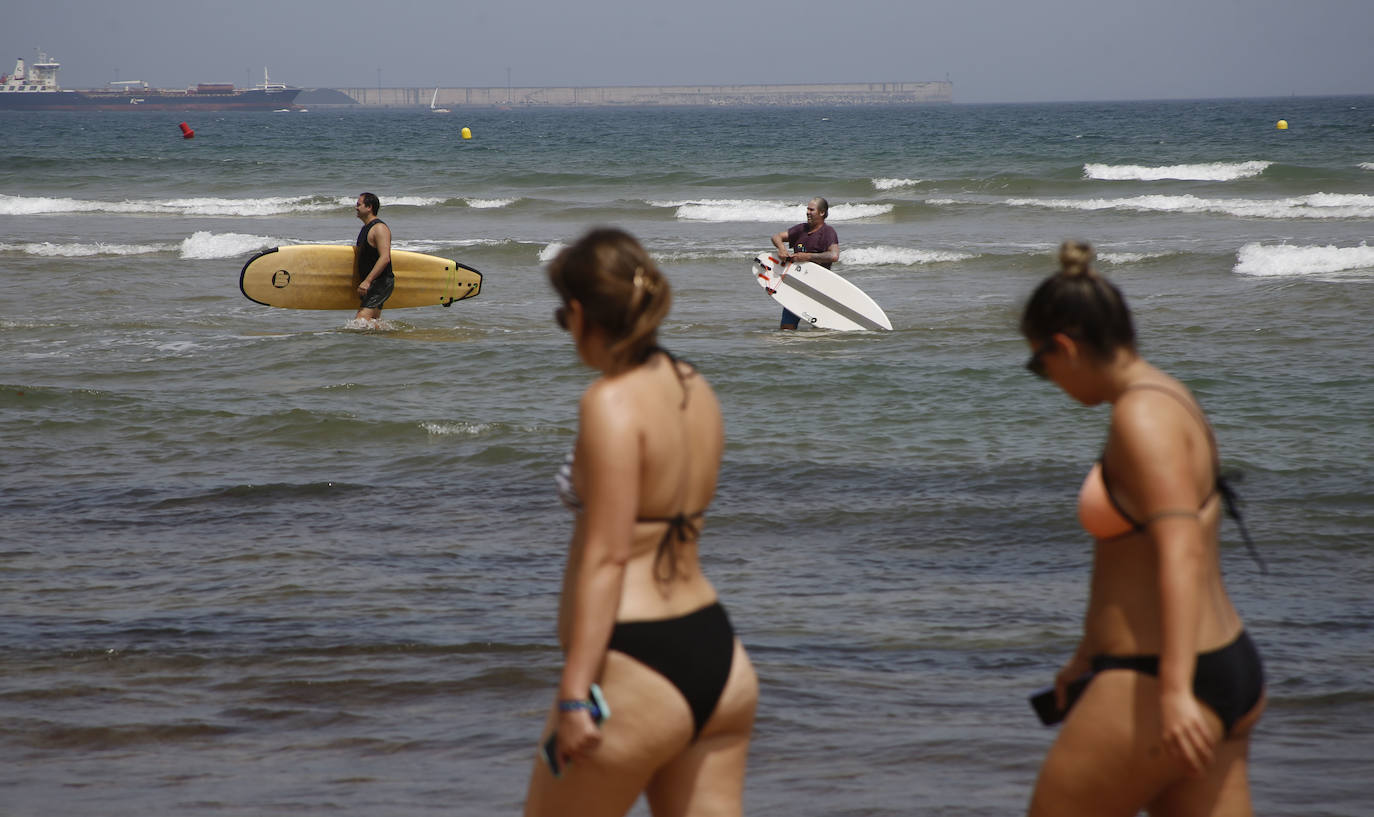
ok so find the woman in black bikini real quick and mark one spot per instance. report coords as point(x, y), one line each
point(1177, 685)
point(637, 616)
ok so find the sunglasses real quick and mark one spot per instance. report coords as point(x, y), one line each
point(560, 316)
point(1036, 364)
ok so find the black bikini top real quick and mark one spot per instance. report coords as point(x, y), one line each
point(682, 527)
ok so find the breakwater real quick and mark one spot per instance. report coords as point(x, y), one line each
point(836, 93)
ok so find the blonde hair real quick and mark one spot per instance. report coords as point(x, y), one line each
point(620, 289)
point(1076, 258)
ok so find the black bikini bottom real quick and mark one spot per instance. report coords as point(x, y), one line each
point(1230, 680)
point(694, 652)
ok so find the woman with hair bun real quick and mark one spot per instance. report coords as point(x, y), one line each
point(637, 616)
point(1176, 683)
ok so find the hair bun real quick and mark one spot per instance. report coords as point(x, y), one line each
point(1076, 258)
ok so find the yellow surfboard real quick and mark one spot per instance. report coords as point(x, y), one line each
point(320, 276)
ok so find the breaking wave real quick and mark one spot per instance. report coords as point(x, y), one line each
point(1272, 260)
point(1212, 172)
point(894, 184)
point(899, 256)
point(1129, 257)
point(1316, 205)
point(46, 205)
point(206, 245)
point(755, 210)
point(50, 249)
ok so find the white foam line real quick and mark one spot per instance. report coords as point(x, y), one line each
point(1272, 260)
point(1215, 171)
point(1316, 205)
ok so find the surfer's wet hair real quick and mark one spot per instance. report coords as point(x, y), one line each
point(822, 205)
point(1080, 303)
point(373, 203)
point(620, 289)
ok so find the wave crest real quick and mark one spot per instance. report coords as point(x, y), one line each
point(1290, 259)
point(1211, 172)
point(1316, 205)
point(207, 206)
point(894, 184)
point(207, 245)
point(898, 256)
point(756, 210)
point(48, 249)
point(1129, 257)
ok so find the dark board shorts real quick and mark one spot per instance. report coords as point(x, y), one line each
point(379, 292)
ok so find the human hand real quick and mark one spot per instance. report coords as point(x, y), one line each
point(1075, 668)
point(364, 287)
point(578, 735)
point(1187, 735)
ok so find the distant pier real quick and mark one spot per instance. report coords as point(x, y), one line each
point(835, 93)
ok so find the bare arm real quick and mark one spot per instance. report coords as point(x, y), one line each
point(1149, 446)
point(830, 256)
point(780, 242)
point(379, 237)
point(607, 469)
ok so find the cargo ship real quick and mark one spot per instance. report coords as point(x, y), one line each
point(34, 88)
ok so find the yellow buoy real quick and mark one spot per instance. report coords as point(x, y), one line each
point(467, 133)
point(1282, 124)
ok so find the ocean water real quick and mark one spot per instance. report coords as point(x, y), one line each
point(258, 562)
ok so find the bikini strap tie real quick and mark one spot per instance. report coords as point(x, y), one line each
point(1231, 501)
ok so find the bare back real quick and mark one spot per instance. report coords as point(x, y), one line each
point(661, 461)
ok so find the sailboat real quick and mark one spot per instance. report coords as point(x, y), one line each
point(432, 100)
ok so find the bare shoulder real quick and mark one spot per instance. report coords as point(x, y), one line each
point(696, 385)
point(605, 396)
point(1156, 405)
point(1152, 431)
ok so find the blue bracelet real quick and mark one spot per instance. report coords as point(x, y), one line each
point(572, 705)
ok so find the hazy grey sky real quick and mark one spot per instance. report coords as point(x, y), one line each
point(993, 50)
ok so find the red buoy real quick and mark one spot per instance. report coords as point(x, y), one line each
point(186, 132)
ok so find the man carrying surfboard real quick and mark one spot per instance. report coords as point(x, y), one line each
point(812, 240)
point(372, 260)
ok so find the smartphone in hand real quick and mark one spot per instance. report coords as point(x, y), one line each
point(599, 711)
point(1042, 700)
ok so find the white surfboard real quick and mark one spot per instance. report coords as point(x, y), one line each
point(822, 298)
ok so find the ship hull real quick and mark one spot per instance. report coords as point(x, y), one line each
point(148, 100)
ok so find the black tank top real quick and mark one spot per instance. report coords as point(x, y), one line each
point(366, 256)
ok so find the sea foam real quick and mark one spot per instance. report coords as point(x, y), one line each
point(489, 204)
point(894, 184)
point(406, 201)
point(49, 249)
point(270, 206)
point(1268, 260)
point(897, 256)
point(1366, 165)
point(456, 429)
point(1129, 257)
point(1316, 205)
point(754, 210)
point(206, 245)
point(1212, 172)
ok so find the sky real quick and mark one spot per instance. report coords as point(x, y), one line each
point(992, 50)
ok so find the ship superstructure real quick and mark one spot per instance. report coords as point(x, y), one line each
point(34, 87)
